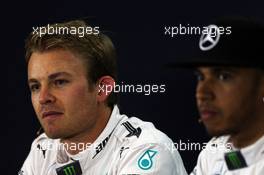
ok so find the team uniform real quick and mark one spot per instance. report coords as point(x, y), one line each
point(126, 146)
point(222, 158)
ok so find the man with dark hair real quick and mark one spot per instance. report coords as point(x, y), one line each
point(71, 77)
point(229, 95)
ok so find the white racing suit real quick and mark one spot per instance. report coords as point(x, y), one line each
point(126, 146)
point(221, 158)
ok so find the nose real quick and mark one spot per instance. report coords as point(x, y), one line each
point(45, 96)
point(204, 90)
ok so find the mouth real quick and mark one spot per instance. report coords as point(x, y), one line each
point(51, 114)
point(208, 114)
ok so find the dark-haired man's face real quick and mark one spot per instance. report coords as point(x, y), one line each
point(61, 96)
point(229, 99)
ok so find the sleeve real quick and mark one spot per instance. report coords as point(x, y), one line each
point(29, 165)
point(198, 169)
point(204, 161)
point(151, 159)
point(27, 168)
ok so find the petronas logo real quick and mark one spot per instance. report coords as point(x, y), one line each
point(145, 161)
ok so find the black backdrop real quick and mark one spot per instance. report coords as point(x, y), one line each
point(137, 30)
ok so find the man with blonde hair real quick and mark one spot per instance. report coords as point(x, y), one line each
point(71, 77)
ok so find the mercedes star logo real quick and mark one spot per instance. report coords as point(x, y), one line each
point(209, 38)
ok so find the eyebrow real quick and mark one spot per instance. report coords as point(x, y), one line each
point(219, 69)
point(51, 76)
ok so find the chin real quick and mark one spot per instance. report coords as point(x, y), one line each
point(53, 135)
point(216, 132)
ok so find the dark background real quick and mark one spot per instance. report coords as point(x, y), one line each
point(137, 30)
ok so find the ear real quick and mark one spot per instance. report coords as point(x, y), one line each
point(105, 85)
point(261, 85)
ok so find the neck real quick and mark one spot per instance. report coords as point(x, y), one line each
point(247, 136)
point(83, 140)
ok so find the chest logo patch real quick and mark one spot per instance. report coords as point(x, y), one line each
point(73, 168)
point(145, 161)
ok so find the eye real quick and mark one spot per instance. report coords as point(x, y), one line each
point(199, 76)
point(60, 82)
point(34, 87)
point(224, 76)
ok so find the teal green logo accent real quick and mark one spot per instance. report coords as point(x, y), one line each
point(69, 170)
point(234, 160)
point(145, 161)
